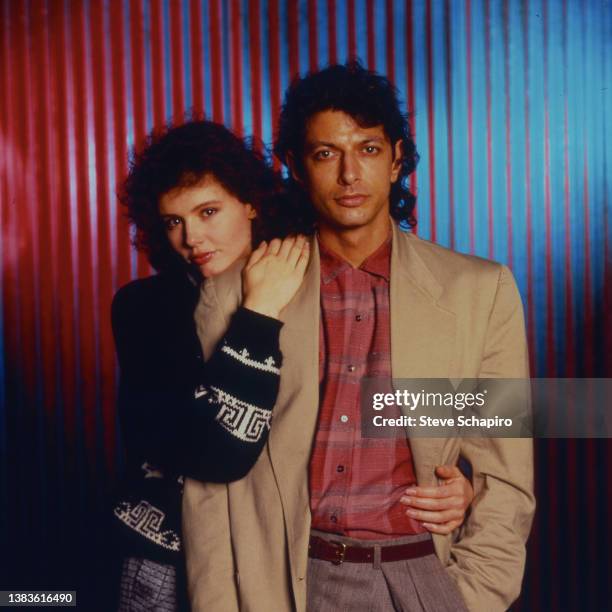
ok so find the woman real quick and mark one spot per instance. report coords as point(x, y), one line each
point(187, 196)
point(199, 199)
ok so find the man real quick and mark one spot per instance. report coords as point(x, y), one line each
point(375, 302)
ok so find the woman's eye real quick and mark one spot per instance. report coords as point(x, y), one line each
point(208, 212)
point(171, 222)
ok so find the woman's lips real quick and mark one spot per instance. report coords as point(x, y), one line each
point(201, 258)
point(350, 201)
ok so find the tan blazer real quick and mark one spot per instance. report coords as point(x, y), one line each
point(452, 316)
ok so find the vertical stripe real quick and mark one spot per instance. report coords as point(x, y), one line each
point(177, 61)
point(331, 32)
point(197, 57)
point(236, 48)
point(255, 57)
point(313, 58)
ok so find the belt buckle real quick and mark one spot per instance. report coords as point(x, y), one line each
point(340, 552)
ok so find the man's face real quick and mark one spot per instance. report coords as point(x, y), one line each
point(348, 171)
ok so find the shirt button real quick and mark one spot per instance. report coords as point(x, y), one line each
point(340, 468)
point(351, 368)
point(344, 418)
point(333, 518)
point(358, 318)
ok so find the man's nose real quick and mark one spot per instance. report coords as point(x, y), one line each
point(349, 169)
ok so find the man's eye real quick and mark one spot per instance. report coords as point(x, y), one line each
point(371, 149)
point(208, 212)
point(325, 154)
point(171, 222)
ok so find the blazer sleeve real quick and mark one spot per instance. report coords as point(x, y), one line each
point(488, 560)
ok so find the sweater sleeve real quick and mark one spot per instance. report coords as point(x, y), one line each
point(228, 420)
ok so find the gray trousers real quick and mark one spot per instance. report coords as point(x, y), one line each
point(414, 585)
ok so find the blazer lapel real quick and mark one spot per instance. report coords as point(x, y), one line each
point(295, 415)
point(422, 336)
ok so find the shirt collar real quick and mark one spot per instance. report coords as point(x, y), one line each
point(378, 263)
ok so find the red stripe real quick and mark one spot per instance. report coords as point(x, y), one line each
point(176, 41)
point(215, 61)
point(45, 187)
point(508, 134)
point(255, 56)
point(294, 38)
point(313, 59)
point(138, 63)
point(352, 43)
point(410, 88)
point(197, 52)
point(331, 32)
point(490, 232)
point(65, 288)
point(157, 64)
point(102, 115)
point(236, 40)
point(14, 42)
point(140, 98)
point(449, 121)
point(86, 324)
point(274, 52)
point(120, 111)
point(470, 127)
point(371, 34)
point(26, 248)
point(431, 137)
point(390, 46)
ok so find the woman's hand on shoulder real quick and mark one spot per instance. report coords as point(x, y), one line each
point(274, 273)
point(443, 508)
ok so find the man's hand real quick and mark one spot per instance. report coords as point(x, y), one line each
point(440, 509)
point(273, 274)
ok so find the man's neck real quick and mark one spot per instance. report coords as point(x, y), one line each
point(354, 245)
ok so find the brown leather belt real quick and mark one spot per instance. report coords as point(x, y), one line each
point(339, 552)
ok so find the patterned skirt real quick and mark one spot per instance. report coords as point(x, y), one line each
point(147, 586)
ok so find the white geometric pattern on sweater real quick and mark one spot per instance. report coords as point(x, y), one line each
point(146, 520)
point(268, 365)
point(243, 420)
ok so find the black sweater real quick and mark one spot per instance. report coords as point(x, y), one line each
point(177, 416)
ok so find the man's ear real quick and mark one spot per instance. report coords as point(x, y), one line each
point(398, 156)
point(251, 212)
point(293, 168)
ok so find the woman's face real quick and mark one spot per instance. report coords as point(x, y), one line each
point(207, 225)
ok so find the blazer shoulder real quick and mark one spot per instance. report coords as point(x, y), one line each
point(450, 266)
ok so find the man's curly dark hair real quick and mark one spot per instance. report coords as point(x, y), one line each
point(370, 99)
point(182, 156)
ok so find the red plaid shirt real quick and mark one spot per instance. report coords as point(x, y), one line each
point(355, 482)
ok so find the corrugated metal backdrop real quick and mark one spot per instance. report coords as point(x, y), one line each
point(513, 120)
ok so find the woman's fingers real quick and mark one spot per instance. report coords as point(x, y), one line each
point(303, 258)
point(296, 250)
point(274, 246)
point(257, 254)
point(286, 246)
